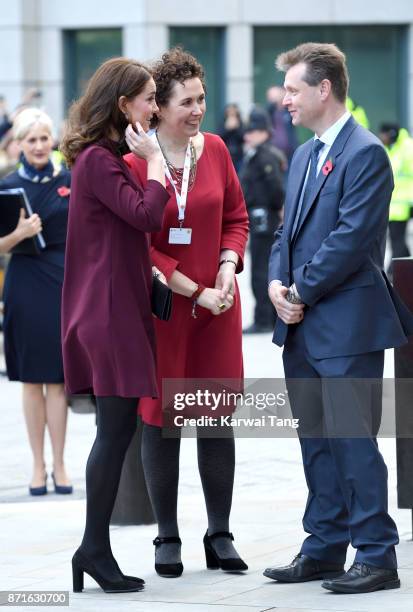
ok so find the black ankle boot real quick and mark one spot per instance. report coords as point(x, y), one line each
point(81, 564)
point(213, 561)
point(168, 570)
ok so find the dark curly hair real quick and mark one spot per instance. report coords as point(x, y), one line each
point(94, 115)
point(176, 65)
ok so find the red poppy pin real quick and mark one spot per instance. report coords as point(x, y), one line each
point(328, 166)
point(63, 191)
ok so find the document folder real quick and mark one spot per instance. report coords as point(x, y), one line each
point(11, 201)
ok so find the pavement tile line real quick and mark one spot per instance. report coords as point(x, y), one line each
point(41, 535)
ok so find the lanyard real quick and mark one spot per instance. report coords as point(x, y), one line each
point(180, 197)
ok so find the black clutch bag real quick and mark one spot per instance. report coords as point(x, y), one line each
point(161, 299)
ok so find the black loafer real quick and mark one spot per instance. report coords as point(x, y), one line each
point(304, 569)
point(363, 578)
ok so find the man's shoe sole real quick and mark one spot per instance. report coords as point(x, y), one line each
point(384, 586)
point(319, 576)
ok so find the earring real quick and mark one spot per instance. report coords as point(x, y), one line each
point(126, 117)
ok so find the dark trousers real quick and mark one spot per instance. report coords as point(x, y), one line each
point(338, 402)
point(399, 248)
point(260, 248)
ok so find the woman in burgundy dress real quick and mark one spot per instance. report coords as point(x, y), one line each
point(202, 275)
point(107, 330)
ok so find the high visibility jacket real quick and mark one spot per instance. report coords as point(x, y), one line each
point(358, 113)
point(401, 159)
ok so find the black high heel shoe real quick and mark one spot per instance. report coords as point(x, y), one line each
point(81, 564)
point(133, 578)
point(213, 561)
point(61, 489)
point(168, 570)
point(42, 490)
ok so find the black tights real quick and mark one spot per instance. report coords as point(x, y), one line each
point(216, 462)
point(116, 419)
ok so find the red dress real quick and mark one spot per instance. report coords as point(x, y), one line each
point(107, 323)
point(209, 346)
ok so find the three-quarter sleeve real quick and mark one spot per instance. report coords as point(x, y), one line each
point(165, 263)
point(235, 217)
point(108, 182)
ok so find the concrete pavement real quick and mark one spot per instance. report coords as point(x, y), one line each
point(38, 536)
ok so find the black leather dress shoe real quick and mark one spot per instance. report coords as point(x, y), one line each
point(303, 569)
point(363, 578)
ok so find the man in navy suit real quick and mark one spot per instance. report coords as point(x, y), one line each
point(336, 313)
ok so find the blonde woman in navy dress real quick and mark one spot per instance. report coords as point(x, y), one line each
point(32, 297)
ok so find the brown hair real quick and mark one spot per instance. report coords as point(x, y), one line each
point(93, 116)
point(176, 65)
point(323, 61)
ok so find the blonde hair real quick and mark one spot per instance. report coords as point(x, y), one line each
point(27, 119)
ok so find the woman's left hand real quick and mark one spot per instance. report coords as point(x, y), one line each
point(225, 279)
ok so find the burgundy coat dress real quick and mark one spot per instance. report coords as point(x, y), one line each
point(107, 329)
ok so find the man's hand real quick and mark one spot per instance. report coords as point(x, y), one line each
point(289, 313)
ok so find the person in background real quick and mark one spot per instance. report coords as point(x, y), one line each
point(358, 113)
point(32, 296)
point(203, 338)
point(262, 183)
point(283, 135)
point(399, 146)
point(232, 133)
point(30, 98)
point(107, 328)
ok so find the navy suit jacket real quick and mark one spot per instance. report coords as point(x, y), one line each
point(336, 255)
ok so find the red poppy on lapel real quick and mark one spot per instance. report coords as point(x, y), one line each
point(63, 191)
point(328, 166)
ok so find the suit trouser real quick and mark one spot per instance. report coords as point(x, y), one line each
point(260, 248)
point(398, 240)
point(338, 402)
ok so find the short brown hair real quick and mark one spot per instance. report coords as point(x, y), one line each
point(323, 61)
point(176, 65)
point(97, 113)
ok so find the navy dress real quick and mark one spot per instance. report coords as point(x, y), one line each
point(33, 287)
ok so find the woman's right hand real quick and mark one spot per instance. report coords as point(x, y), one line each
point(210, 299)
point(140, 144)
point(28, 227)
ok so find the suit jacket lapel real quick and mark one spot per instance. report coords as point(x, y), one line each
point(297, 174)
point(333, 154)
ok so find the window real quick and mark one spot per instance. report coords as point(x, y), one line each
point(207, 45)
point(84, 51)
point(376, 59)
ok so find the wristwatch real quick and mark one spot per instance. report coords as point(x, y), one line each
point(293, 296)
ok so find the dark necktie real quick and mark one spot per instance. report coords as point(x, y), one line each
point(310, 184)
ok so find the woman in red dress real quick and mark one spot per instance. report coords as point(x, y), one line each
point(107, 330)
point(202, 276)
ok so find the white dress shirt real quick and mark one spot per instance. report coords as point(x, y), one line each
point(328, 138)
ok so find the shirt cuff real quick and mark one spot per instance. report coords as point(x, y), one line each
point(275, 280)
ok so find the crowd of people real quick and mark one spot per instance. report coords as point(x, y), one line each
point(151, 195)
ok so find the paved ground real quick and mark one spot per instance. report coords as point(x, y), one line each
point(38, 537)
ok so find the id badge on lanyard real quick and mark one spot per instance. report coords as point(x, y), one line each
point(180, 235)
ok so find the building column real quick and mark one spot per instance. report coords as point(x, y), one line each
point(240, 64)
point(145, 42)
